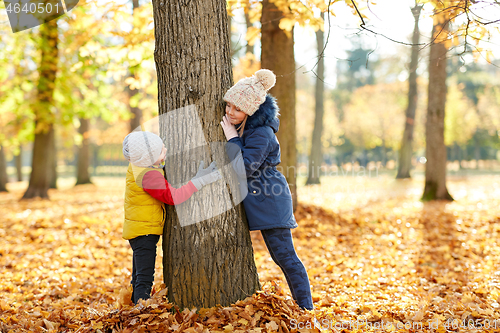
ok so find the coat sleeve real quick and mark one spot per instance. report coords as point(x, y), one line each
point(157, 186)
point(254, 152)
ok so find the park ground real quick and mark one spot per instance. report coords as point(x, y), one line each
point(378, 259)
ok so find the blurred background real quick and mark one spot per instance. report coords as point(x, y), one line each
point(106, 86)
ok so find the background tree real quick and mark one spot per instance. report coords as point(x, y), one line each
point(316, 153)
point(406, 150)
point(435, 149)
point(44, 114)
point(83, 162)
point(18, 162)
point(3, 171)
point(210, 262)
point(53, 162)
point(277, 55)
point(3, 163)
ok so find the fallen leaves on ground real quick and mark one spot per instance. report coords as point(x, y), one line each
point(378, 260)
point(265, 311)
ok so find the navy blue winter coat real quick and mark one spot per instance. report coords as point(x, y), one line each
point(268, 204)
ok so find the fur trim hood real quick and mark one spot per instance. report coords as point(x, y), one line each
point(266, 115)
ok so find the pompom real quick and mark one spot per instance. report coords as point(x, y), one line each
point(266, 78)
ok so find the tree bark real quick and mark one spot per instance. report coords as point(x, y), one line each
point(3, 171)
point(210, 262)
point(19, 164)
point(277, 55)
point(316, 153)
point(82, 172)
point(44, 118)
point(406, 151)
point(136, 112)
point(435, 149)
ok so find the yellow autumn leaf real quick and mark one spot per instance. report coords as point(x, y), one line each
point(252, 35)
point(286, 24)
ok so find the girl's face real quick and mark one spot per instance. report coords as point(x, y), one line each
point(235, 115)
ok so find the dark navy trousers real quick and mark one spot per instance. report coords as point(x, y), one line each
point(143, 265)
point(280, 245)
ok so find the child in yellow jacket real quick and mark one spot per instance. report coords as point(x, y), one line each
point(145, 194)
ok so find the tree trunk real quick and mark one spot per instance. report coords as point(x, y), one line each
point(136, 112)
point(210, 262)
point(435, 149)
point(19, 164)
point(3, 171)
point(82, 172)
point(406, 151)
point(53, 161)
point(277, 55)
point(44, 118)
point(316, 153)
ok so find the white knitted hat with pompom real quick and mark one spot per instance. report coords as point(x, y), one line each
point(249, 93)
point(142, 149)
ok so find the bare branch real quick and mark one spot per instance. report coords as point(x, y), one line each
point(363, 26)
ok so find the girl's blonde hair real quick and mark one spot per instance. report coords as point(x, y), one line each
point(241, 128)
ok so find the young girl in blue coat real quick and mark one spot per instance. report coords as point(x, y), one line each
point(268, 205)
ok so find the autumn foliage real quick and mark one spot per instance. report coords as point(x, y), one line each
point(376, 256)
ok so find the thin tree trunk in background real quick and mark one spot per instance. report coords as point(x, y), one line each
point(277, 55)
point(3, 171)
point(435, 149)
point(210, 262)
point(316, 153)
point(136, 112)
point(19, 164)
point(82, 172)
point(406, 151)
point(53, 161)
point(44, 118)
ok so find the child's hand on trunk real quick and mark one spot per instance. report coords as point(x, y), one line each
point(229, 129)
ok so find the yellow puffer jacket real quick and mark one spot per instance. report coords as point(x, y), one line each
point(144, 215)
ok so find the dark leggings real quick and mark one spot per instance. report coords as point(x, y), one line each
point(143, 265)
point(280, 245)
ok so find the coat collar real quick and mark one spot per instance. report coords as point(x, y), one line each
point(266, 115)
